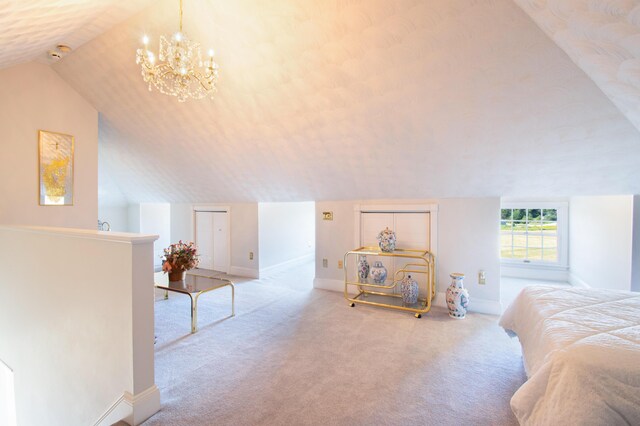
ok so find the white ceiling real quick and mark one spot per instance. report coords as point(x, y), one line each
point(30, 28)
point(603, 38)
point(356, 99)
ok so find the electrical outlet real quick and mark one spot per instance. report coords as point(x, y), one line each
point(250, 255)
point(482, 278)
point(325, 263)
point(339, 264)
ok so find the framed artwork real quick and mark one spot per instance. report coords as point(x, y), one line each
point(55, 165)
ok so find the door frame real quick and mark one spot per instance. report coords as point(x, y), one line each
point(214, 208)
point(432, 209)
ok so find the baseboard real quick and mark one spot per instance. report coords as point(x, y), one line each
point(279, 267)
point(244, 272)
point(328, 284)
point(481, 306)
point(133, 409)
point(576, 281)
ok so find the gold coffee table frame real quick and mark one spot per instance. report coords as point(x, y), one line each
point(194, 293)
point(418, 262)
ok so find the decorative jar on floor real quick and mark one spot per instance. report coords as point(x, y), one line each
point(363, 269)
point(409, 290)
point(378, 272)
point(457, 297)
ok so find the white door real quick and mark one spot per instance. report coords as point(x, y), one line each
point(220, 241)
point(205, 239)
point(412, 232)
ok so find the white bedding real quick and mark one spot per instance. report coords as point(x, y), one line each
point(581, 350)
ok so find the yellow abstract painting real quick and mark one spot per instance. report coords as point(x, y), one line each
point(56, 168)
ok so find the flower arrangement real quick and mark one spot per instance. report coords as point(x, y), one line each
point(180, 257)
point(387, 240)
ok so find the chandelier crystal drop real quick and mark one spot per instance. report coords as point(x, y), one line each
point(179, 69)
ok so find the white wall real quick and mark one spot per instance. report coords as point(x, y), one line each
point(635, 258)
point(600, 240)
point(133, 217)
point(77, 330)
point(468, 238)
point(244, 233)
point(286, 233)
point(116, 215)
point(155, 218)
point(33, 97)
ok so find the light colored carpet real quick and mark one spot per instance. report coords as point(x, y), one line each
point(297, 356)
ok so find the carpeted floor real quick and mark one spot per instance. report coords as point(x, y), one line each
point(297, 356)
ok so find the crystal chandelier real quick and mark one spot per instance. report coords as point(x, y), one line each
point(179, 69)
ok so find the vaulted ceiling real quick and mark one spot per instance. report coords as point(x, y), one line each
point(357, 99)
point(30, 28)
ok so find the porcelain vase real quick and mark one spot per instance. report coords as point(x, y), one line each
point(363, 268)
point(387, 240)
point(409, 290)
point(457, 297)
point(378, 273)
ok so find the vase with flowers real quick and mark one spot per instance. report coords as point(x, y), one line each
point(178, 258)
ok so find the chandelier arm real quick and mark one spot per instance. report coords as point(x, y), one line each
point(180, 15)
point(206, 85)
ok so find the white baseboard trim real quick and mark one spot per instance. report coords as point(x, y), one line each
point(328, 284)
point(481, 306)
point(279, 267)
point(133, 409)
point(244, 272)
point(576, 281)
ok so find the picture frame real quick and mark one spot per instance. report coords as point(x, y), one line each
point(55, 168)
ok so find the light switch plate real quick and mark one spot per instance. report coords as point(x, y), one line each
point(482, 278)
point(250, 255)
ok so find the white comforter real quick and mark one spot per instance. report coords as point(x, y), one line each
point(581, 350)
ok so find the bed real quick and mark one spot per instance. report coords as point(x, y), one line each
point(581, 353)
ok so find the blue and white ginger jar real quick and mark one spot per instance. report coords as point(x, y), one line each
point(378, 272)
point(387, 240)
point(409, 290)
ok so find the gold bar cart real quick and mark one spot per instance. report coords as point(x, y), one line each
point(374, 294)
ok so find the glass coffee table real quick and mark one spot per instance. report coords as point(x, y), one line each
point(194, 286)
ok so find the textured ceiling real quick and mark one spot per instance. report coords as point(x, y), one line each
point(355, 99)
point(603, 38)
point(30, 28)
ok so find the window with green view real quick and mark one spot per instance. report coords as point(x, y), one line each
point(529, 235)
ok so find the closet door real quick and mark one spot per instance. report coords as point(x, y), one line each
point(220, 241)
point(371, 225)
point(412, 232)
point(205, 239)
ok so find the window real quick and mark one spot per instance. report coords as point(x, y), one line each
point(533, 234)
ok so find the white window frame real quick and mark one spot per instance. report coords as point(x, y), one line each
point(562, 209)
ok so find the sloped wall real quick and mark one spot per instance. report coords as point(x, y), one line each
point(33, 97)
